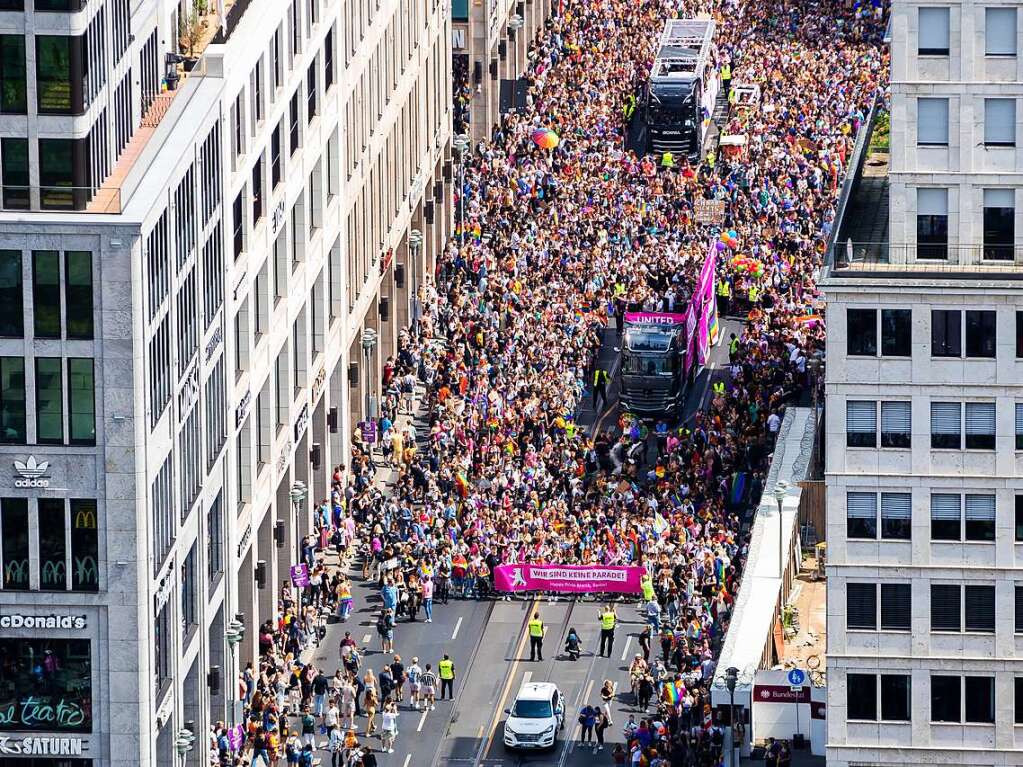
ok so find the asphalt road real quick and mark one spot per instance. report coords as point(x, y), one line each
point(488, 643)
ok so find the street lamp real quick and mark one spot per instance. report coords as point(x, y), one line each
point(415, 242)
point(369, 342)
point(234, 634)
point(183, 743)
point(461, 144)
point(780, 491)
point(731, 677)
point(814, 366)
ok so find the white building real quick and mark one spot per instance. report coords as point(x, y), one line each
point(181, 332)
point(924, 395)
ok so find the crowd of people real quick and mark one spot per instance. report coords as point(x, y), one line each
point(555, 242)
point(461, 93)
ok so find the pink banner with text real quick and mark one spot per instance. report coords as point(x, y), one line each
point(569, 579)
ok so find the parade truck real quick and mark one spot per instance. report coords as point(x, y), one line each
point(656, 363)
point(678, 99)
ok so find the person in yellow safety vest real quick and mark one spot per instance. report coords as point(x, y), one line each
point(733, 97)
point(754, 294)
point(711, 159)
point(446, 671)
point(733, 348)
point(726, 77)
point(630, 108)
point(719, 388)
point(647, 584)
point(570, 429)
point(724, 296)
point(536, 632)
point(667, 160)
point(608, 621)
point(600, 381)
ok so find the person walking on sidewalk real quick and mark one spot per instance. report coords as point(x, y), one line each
point(536, 634)
point(446, 669)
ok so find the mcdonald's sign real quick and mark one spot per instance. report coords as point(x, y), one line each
point(85, 519)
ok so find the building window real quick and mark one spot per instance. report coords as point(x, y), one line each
point(896, 332)
point(60, 73)
point(238, 214)
point(1019, 335)
point(294, 123)
point(12, 75)
point(46, 293)
point(12, 311)
point(979, 603)
point(12, 400)
point(896, 604)
point(84, 545)
point(14, 169)
point(946, 425)
point(932, 223)
point(946, 333)
point(861, 332)
point(999, 122)
point(946, 516)
point(861, 515)
point(328, 59)
point(999, 224)
point(52, 546)
point(979, 699)
point(980, 425)
point(932, 122)
point(1019, 517)
point(896, 697)
point(257, 191)
point(946, 699)
point(81, 401)
point(14, 543)
point(312, 102)
point(162, 649)
point(861, 424)
point(1018, 700)
point(861, 697)
point(980, 517)
point(980, 334)
point(896, 516)
point(275, 155)
point(946, 607)
point(56, 676)
point(215, 539)
point(78, 293)
point(934, 32)
point(896, 420)
point(861, 606)
point(49, 401)
point(1000, 31)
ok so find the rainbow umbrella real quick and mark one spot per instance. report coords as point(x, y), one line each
point(545, 139)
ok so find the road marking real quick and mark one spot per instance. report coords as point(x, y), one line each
point(408, 757)
point(579, 702)
point(365, 639)
point(422, 721)
point(625, 650)
point(458, 625)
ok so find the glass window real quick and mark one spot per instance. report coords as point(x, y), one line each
point(980, 425)
point(946, 699)
point(979, 602)
point(896, 332)
point(14, 159)
point(81, 401)
point(53, 74)
point(84, 545)
point(1018, 700)
point(78, 293)
point(861, 606)
point(861, 424)
point(52, 545)
point(1000, 122)
point(932, 224)
point(861, 696)
point(14, 544)
point(1000, 31)
point(934, 32)
point(49, 682)
point(896, 420)
point(946, 517)
point(896, 516)
point(861, 515)
point(946, 333)
point(999, 224)
point(12, 400)
point(49, 400)
point(980, 699)
point(46, 293)
point(946, 608)
point(12, 310)
point(861, 332)
point(896, 696)
point(12, 74)
point(932, 122)
point(1019, 335)
point(1019, 517)
point(980, 334)
point(896, 601)
point(946, 425)
point(980, 517)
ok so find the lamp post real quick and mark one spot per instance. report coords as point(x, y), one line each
point(183, 743)
point(234, 634)
point(814, 366)
point(515, 23)
point(780, 491)
point(369, 342)
point(298, 494)
point(415, 242)
point(461, 144)
point(731, 677)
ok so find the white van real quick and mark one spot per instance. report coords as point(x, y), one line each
point(535, 717)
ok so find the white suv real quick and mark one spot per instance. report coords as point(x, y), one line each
point(535, 717)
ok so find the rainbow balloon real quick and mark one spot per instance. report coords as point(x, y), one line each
point(545, 139)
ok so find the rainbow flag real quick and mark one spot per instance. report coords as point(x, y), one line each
point(673, 692)
point(462, 484)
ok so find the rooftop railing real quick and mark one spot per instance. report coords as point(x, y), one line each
point(925, 256)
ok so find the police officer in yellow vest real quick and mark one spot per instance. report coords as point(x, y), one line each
point(726, 78)
point(630, 108)
point(667, 160)
point(724, 296)
point(711, 159)
point(600, 381)
point(733, 347)
point(446, 671)
point(536, 632)
point(719, 388)
point(754, 294)
point(608, 621)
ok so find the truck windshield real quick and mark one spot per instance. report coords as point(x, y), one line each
point(648, 339)
point(532, 709)
point(648, 364)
